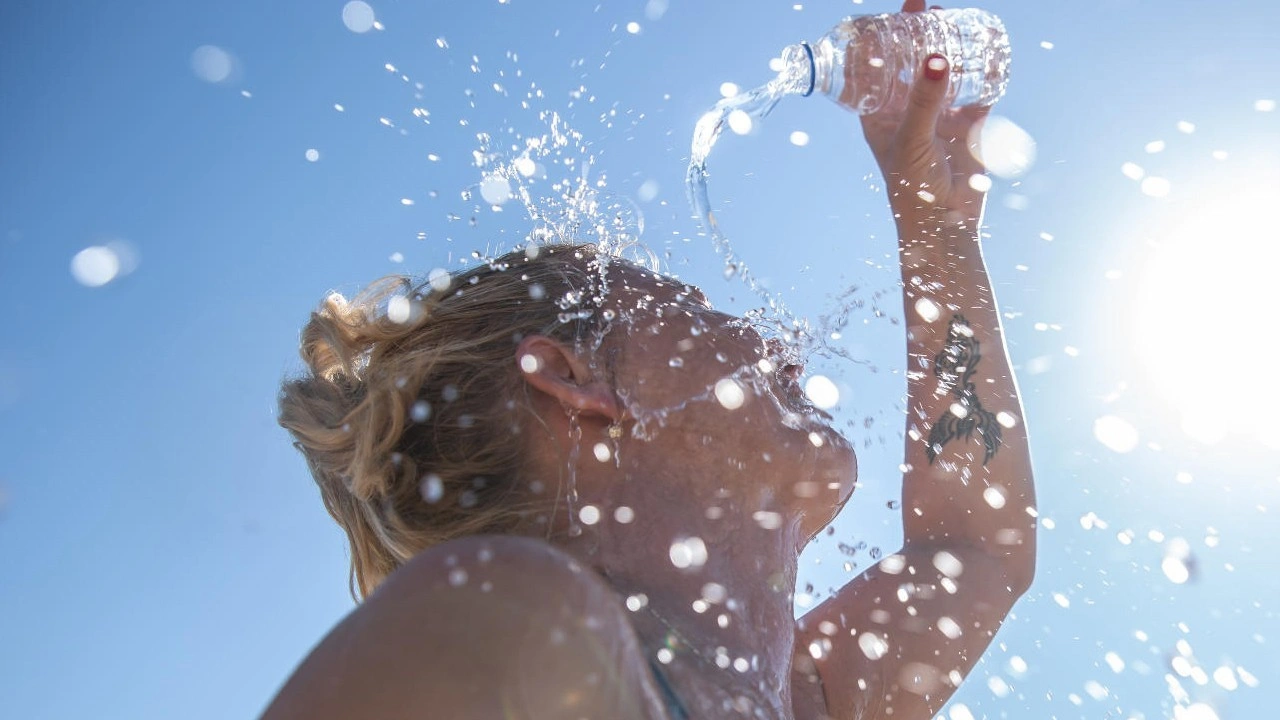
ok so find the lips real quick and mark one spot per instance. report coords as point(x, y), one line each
point(793, 398)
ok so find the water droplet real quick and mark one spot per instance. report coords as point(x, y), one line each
point(1115, 433)
point(1007, 420)
point(1225, 678)
point(420, 411)
point(431, 488)
point(589, 514)
point(399, 308)
point(799, 138)
point(767, 520)
point(1265, 106)
point(633, 27)
point(95, 266)
point(602, 452)
point(740, 122)
point(1156, 187)
point(980, 183)
point(1005, 149)
point(212, 64)
point(714, 593)
point(948, 564)
point(457, 577)
point(439, 279)
point(894, 564)
point(358, 16)
point(873, 646)
point(312, 155)
point(927, 310)
point(822, 392)
point(688, 553)
point(1062, 600)
point(994, 497)
point(1133, 171)
point(820, 648)
point(949, 627)
point(730, 394)
point(624, 514)
point(530, 363)
point(495, 190)
point(728, 89)
point(998, 686)
point(655, 9)
point(1114, 661)
point(1177, 562)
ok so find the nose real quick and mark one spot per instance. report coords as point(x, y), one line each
point(778, 354)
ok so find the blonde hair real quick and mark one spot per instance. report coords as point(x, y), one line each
point(405, 412)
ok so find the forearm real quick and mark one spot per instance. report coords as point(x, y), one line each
point(969, 477)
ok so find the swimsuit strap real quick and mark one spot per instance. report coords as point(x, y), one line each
point(674, 704)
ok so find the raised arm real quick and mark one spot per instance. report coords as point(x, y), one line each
point(897, 641)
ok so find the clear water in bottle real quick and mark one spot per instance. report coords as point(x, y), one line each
point(865, 64)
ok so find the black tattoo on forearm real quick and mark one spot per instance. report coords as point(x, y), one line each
point(954, 368)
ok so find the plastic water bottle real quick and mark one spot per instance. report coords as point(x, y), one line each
point(867, 63)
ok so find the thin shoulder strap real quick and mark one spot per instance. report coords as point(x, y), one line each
point(674, 705)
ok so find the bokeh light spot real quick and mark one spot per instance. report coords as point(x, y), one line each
point(358, 16)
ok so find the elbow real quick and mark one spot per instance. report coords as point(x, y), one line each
point(1021, 573)
point(1020, 565)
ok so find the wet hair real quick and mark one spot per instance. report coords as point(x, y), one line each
point(405, 412)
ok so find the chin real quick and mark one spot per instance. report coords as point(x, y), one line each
point(838, 467)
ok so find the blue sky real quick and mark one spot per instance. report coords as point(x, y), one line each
point(165, 553)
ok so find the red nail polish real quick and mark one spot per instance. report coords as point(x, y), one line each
point(935, 68)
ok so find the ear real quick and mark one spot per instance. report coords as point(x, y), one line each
point(556, 371)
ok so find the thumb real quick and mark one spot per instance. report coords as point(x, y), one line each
point(925, 104)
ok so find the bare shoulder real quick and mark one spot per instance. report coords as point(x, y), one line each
point(486, 626)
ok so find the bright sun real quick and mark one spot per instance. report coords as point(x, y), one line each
point(1206, 317)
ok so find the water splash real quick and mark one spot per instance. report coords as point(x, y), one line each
point(745, 109)
point(756, 104)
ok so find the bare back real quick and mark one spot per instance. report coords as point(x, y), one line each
point(484, 626)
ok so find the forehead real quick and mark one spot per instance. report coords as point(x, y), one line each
point(652, 305)
point(631, 285)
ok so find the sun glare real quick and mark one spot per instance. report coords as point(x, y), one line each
point(1206, 319)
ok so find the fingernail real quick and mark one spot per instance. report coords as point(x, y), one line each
point(935, 68)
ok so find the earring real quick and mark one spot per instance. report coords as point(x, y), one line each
point(615, 430)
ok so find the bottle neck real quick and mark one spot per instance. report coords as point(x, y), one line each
point(799, 71)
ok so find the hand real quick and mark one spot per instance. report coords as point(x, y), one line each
point(926, 155)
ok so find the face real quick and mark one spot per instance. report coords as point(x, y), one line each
point(709, 393)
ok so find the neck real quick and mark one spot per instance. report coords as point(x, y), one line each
point(728, 609)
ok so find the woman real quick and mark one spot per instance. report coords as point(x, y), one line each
point(574, 490)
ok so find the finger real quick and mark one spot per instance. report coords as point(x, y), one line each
point(925, 105)
point(913, 6)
